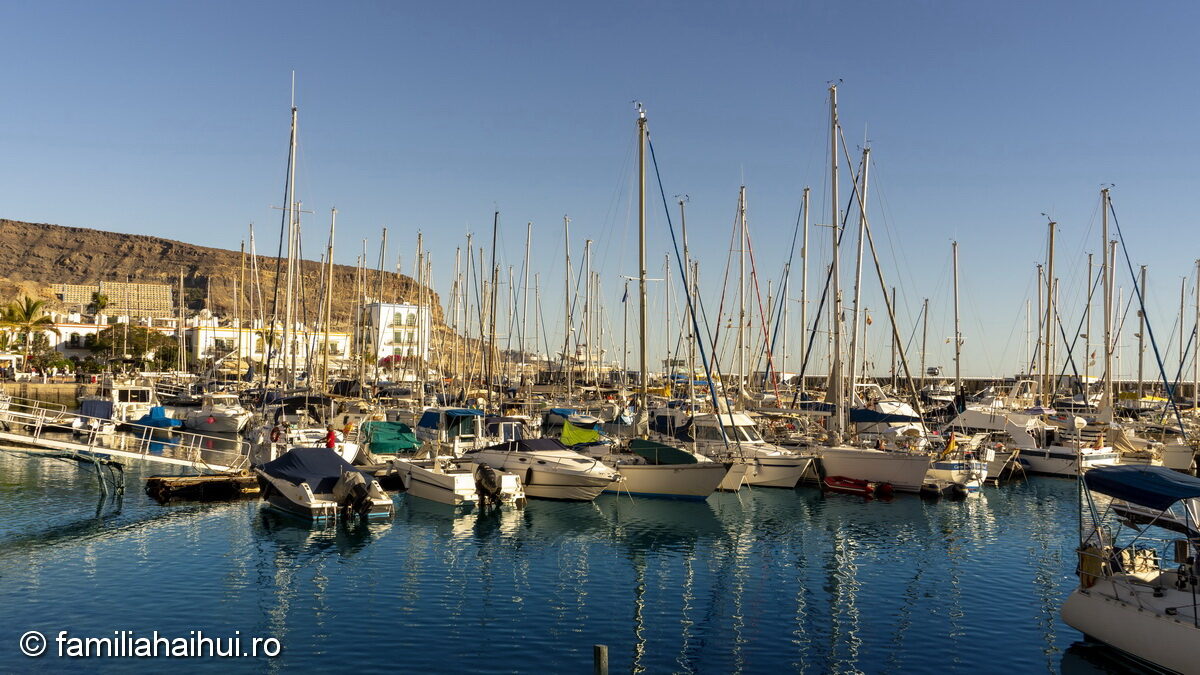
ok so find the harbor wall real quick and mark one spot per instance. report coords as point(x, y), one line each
point(65, 394)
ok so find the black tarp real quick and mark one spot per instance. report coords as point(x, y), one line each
point(319, 467)
point(1156, 487)
point(529, 445)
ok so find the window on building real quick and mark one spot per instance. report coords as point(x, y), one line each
point(412, 319)
point(74, 340)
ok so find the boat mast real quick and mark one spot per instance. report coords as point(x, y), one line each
point(1196, 345)
point(1141, 335)
point(643, 394)
point(1047, 359)
point(836, 383)
point(1087, 335)
point(743, 379)
point(688, 279)
point(525, 296)
point(491, 348)
point(566, 361)
point(924, 337)
point(587, 310)
point(957, 333)
point(291, 216)
point(1106, 405)
point(855, 343)
point(328, 299)
point(804, 291)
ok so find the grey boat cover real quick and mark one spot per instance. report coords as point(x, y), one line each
point(1156, 487)
point(319, 467)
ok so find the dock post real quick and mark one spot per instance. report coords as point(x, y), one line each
point(599, 659)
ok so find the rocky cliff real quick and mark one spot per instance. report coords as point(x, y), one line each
point(35, 255)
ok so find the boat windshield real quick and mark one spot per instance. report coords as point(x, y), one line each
point(748, 434)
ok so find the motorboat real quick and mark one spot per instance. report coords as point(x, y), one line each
point(456, 484)
point(650, 469)
point(384, 440)
point(318, 485)
point(1128, 596)
point(120, 401)
point(732, 438)
point(219, 412)
point(548, 469)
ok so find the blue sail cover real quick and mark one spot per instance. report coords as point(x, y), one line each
point(1156, 487)
point(319, 467)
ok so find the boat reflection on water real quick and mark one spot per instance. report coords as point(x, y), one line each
point(295, 537)
point(1087, 658)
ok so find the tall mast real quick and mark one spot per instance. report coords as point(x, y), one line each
point(688, 278)
point(567, 364)
point(1048, 372)
point(1141, 335)
point(643, 383)
point(587, 309)
point(179, 327)
point(1182, 301)
point(836, 382)
point(491, 348)
point(291, 216)
point(1196, 345)
point(328, 300)
point(238, 302)
point(379, 304)
point(1087, 334)
point(525, 294)
point(743, 378)
point(957, 333)
point(804, 291)
point(855, 343)
point(924, 337)
point(1106, 405)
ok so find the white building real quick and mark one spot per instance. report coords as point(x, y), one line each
point(388, 329)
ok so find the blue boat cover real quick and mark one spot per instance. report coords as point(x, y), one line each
point(464, 412)
point(867, 416)
point(563, 412)
point(1156, 487)
point(319, 467)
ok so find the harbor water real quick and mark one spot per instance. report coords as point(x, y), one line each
point(764, 580)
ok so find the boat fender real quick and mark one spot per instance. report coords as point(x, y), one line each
point(1090, 566)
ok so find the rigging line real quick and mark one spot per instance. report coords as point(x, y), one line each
point(761, 315)
point(725, 279)
point(783, 299)
point(1150, 331)
point(681, 263)
point(1074, 340)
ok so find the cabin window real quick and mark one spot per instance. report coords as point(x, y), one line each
point(707, 434)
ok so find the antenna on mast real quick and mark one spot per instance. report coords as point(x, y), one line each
point(293, 90)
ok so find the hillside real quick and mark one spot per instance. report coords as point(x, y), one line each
point(36, 255)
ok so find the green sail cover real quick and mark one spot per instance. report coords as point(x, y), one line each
point(573, 435)
point(657, 453)
point(389, 438)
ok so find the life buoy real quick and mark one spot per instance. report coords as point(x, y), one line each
point(275, 434)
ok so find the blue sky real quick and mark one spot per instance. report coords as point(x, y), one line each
point(170, 119)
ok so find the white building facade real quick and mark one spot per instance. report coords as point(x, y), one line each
point(387, 329)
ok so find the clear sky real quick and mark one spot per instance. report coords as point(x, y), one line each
point(170, 119)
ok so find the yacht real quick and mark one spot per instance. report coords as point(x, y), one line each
point(121, 401)
point(904, 470)
point(1129, 596)
point(441, 481)
point(221, 412)
point(548, 469)
point(732, 438)
point(318, 485)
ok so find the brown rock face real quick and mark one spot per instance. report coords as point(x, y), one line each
point(35, 255)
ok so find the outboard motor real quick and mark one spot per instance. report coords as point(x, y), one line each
point(352, 493)
point(487, 485)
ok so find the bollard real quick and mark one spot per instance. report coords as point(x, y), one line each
point(600, 659)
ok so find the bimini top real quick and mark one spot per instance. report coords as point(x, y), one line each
point(1156, 487)
point(319, 467)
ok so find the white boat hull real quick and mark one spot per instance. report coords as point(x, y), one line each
point(904, 472)
point(1145, 632)
point(969, 474)
point(681, 481)
point(210, 423)
point(780, 472)
point(552, 476)
point(735, 477)
point(1063, 461)
point(454, 487)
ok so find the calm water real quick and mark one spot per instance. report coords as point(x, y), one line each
point(769, 580)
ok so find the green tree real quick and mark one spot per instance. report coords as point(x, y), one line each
point(27, 317)
point(140, 342)
point(99, 302)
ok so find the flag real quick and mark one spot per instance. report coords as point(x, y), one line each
point(626, 296)
point(869, 322)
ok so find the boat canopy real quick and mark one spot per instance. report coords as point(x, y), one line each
point(1156, 487)
point(868, 416)
point(657, 453)
point(321, 468)
point(573, 434)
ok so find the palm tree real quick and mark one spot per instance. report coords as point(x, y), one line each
point(26, 317)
